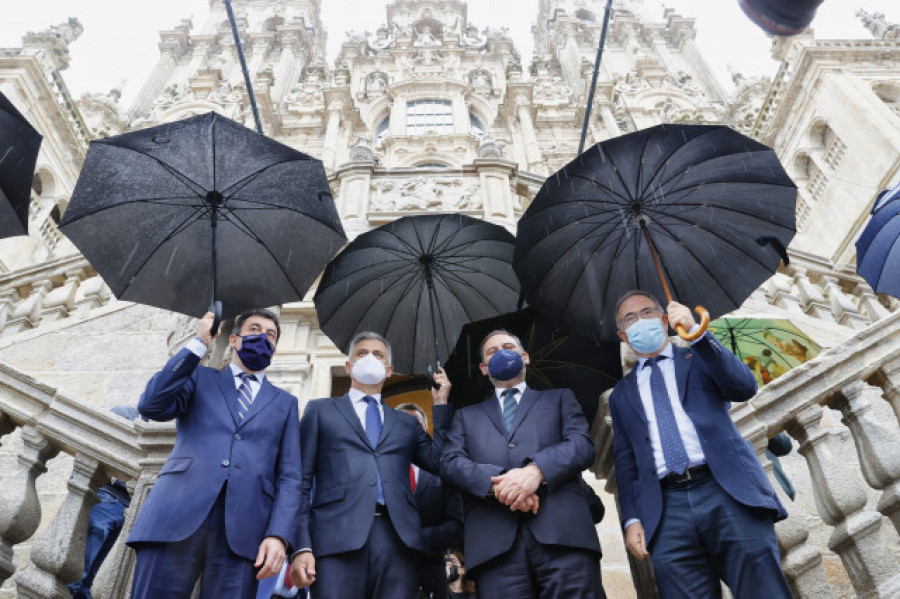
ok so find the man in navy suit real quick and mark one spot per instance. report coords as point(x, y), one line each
point(692, 493)
point(359, 533)
point(440, 510)
point(518, 458)
point(227, 500)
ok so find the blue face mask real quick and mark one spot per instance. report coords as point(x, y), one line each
point(505, 365)
point(646, 335)
point(256, 352)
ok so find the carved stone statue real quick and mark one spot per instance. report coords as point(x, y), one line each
point(376, 81)
point(426, 38)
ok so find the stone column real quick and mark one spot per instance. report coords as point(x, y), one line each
point(609, 120)
point(877, 443)
point(532, 149)
point(57, 557)
point(329, 148)
point(841, 502)
point(20, 510)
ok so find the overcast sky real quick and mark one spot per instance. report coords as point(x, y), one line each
point(119, 44)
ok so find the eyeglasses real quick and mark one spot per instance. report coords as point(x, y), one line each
point(632, 317)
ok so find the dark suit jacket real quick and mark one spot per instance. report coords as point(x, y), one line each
point(440, 510)
point(258, 457)
point(550, 430)
point(340, 465)
point(709, 378)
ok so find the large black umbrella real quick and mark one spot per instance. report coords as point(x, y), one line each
point(202, 208)
point(417, 281)
point(557, 360)
point(703, 207)
point(19, 146)
point(878, 246)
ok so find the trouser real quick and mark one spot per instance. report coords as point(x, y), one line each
point(104, 527)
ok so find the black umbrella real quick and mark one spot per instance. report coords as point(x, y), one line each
point(417, 281)
point(703, 207)
point(19, 146)
point(173, 215)
point(557, 360)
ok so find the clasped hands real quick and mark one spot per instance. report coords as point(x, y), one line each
point(518, 487)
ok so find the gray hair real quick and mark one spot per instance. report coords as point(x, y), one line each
point(498, 332)
point(634, 292)
point(366, 335)
point(413, 407)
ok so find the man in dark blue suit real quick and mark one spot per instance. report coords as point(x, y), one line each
point(518, 458)
point(359, 533)
point(440, 510)
point(692, 493)
point(227, 500)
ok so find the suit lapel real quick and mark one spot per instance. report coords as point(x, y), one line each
point(633, 395)
point(529, 398)
point(225, 380)
point(345, 407)
point(683, 361)
point(263, 398)
point(492, 407)
point(390, 418)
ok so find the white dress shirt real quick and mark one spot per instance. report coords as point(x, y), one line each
point(685, 427)
point(198, 348)
point(360, 405)
point(498, 392)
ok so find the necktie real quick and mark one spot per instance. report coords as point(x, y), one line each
point(412, 478)
point(674, 453)
point(509, 407)
point(244, 395)
point(373, 433)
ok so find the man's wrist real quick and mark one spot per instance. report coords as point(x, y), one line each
point(197, 347)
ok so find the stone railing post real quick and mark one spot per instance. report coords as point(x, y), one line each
point(58, 302)
point(841, 502)
point(842, 305)
point(869, 304)
point(779, 290)
point(8, 300)
point(20, 510)
point(888, 378)
point(91, 293)
point(812, 298)
point(57, 556)
point(877, 443)
point(27, 314)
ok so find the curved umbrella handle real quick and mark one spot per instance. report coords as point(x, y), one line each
point(216, 309)
point(704, 323)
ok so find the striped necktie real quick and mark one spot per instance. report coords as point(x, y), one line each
point(674, 453)
point(509, 407)
point(244, 394)
point(373, 433)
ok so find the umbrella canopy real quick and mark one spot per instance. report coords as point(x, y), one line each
point(878, 246)
point(717, 205)
point(769, 346)
point(417, 281)
point(19, 146)
point(557, 360)
point(173, 214)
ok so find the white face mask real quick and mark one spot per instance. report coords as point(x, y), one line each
point(368, 370)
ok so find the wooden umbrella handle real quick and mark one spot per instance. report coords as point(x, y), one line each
point(704, 323)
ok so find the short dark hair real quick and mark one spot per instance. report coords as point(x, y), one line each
point(413, 407)
point(632, 293)
point(262, 312)
point(497, 332)
point(363, 336)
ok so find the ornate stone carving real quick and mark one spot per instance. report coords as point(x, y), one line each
point(488, 148)
point(421, 193)
point(362, 151)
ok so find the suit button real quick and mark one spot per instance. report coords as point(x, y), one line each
point(512, 445)
point(237, 436)
point(225, 463)
point(377, 455)
point(371, 483)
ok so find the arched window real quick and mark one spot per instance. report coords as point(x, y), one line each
point(476, 126)
point(429, 115)
point(431, 165)
point(382, 130)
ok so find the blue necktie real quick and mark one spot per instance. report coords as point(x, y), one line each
point(674, 453)
point(245, 395)
point(509, 407)
point(373, 432)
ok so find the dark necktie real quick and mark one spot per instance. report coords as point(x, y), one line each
point(509, 407)
point(674, 453)
point(373, 433)
point(244, 394)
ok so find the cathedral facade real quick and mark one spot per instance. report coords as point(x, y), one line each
point(428, 113)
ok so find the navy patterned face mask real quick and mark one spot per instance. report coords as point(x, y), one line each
point(505, 365)
point(256, 352)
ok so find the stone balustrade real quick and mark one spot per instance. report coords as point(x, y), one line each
point(855, 496)
point(101, 445)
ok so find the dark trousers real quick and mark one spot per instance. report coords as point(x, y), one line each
point(104, 527)
point(530, 570)
point(384, 568)
point(705, 536)
point(170, 570)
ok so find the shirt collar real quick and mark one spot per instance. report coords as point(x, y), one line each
point(236, 370)
point(357, 395)
point(667, 351)
point(498, 392)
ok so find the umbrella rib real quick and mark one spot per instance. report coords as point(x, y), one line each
point(664, 163)
point(178, 175)
point(667, 211)
point(241, 183)
point(156, 201)
point(599, 185)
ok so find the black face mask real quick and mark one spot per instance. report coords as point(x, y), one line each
point(453, 575)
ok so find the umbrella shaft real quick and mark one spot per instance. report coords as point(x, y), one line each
point(213, 222)
point(655, 256)
point(590, 98)
point(240, 52)
point(429, 282)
